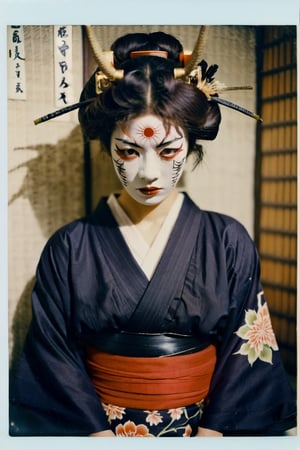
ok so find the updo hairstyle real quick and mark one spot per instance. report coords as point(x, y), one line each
point(149, 87)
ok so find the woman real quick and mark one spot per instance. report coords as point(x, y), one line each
point(148, 316)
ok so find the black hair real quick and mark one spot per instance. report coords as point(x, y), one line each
point(149, 86)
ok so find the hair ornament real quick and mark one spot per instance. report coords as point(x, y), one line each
point(203, 78)
point(159, 53)
point(191, 60)
point(62, 111)
point(103, 58)
point(198, 74)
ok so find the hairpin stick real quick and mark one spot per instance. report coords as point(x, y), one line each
point(237, 108)
point(237, 88)
point(61, 111)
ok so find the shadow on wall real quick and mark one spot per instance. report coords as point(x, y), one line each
point(54, 182)
point(54, 187)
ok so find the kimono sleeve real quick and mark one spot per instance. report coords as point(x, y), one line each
point(250, 392)
point(51, 393)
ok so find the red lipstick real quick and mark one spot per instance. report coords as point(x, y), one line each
point(150, 190)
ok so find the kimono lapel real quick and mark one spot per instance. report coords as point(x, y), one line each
point(168, 279)
point(147, 302)
point(119, 258)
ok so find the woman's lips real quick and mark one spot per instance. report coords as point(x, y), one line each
point(150, 190)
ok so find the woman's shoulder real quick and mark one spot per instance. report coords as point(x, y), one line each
point(227, 223)
point(228, 238)
point(225, 237)
point(220, 222)
point(75, 230)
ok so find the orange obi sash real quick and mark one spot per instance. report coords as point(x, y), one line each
point(151, 382)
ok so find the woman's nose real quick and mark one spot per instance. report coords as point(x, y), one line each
point(149, 166)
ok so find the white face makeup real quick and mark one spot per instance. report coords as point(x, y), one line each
point(148, 160)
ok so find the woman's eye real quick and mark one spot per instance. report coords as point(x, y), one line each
point(127, 153)
point(170, 153)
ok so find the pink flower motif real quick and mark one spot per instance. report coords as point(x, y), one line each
point(130, 429)
point(258, 333)
point(113, 412)
point(153, 417)
point(261, 333)
point(175, 413)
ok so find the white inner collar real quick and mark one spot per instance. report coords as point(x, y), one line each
point(147, 256)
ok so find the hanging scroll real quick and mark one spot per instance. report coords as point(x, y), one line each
point(63, 66)
point(16, 81)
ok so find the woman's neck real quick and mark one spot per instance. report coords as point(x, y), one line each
point(138, 212)
point(147, 219)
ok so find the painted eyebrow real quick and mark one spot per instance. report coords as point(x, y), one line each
point(128, 142)
point(162, 144)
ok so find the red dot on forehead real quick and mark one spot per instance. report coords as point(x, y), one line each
point(148, 132)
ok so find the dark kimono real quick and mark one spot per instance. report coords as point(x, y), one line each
point(88, 283)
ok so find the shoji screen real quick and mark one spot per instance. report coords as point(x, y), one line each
point(277, 181)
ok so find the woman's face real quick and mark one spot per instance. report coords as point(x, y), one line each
point(148, 159)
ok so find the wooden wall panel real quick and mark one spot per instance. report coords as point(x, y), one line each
point(276, 202)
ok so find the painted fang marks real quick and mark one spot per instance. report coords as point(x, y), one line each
point(121, 171)
point(177, 169)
